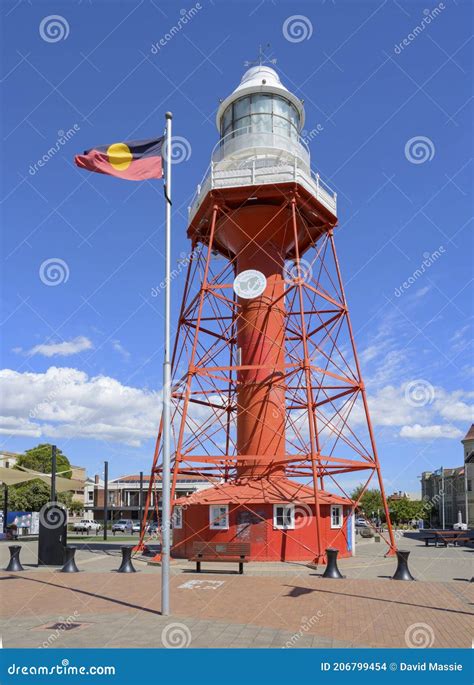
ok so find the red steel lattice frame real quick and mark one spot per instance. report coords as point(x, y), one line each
point(327, 422)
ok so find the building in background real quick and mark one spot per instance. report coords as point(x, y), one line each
point(124, 495)
point(449, 490)
point(78, 496)
point(8, 459)
point(400, 494)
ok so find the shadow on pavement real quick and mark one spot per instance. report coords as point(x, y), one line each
point(375, 599)
point(120, 602)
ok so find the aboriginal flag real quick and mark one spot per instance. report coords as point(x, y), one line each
point(135, 160)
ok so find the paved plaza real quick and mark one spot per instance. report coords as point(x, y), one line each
point(272, 605)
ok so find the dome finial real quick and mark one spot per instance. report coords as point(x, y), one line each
point(262, 57)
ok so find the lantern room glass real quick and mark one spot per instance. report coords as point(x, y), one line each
point(260, 113)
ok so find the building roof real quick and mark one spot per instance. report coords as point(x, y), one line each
point(259, 491)
point(456, 471)
point(470, 434)
point(181, 477)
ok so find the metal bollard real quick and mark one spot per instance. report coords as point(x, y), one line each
point(402, 572)
point(332, 570)
point(70, 563)
point(14, 563)
point(126, 566)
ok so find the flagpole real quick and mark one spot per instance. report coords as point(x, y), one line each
point(165, 474)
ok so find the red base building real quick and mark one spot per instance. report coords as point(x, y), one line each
point(275, 516)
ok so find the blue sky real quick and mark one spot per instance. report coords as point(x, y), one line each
point(83, 357)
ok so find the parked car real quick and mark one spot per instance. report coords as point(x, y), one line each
point(86, 526)
point(136, 527)
point(122, 526)
point(361, 522)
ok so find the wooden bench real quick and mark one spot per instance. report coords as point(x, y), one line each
point(221, 551)
point(452, 537)
point(447, 537)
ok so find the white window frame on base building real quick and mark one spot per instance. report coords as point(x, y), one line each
point(219, 516)
point(289, 524)
point(340, 516)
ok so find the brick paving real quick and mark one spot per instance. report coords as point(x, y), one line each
point(273, 605)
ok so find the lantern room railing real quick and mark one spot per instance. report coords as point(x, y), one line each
point(248, 156)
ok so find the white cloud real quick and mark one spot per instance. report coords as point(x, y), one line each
point(118, 347)
point(393, 406)
point(12, 425)
point(62, 349)
point(461, 341)
point(458, 411)
point(422, 291)
point(389, 407)
point(418, 432)
point(65, 402)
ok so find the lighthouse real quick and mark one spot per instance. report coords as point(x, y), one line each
point(268, 403)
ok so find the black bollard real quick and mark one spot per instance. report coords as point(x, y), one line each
point(126, 566)
point(402, 572)
point(70, 564)
point(332, 570)
point(14, 564)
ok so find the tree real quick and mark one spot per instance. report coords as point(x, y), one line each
point(34, 494)
point(404, 510)
point(39, 459)
point(370, 502)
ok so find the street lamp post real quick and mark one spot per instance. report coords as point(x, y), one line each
point(106, 496)
point(140, 501)
point(53, 473)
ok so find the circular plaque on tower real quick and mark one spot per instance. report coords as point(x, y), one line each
point(249, 284)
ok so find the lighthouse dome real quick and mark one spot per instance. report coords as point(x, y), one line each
point(260, 80)
point(260, 75)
